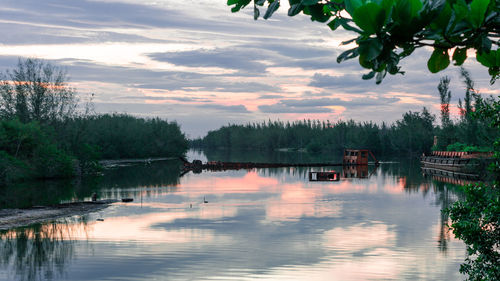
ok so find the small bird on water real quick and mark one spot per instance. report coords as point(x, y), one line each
point(204, 200)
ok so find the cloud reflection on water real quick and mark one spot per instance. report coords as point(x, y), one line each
point(268, 224)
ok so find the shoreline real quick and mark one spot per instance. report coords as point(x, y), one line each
point(116, 162)
point(13, 218)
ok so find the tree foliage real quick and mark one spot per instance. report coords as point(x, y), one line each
point(412, 134)
point(390, 30)
point(117, 136)
point(36, 91)
point(476, 220)
point(41, 134)
point(27, 152)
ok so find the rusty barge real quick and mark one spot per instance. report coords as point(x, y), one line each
point(464, 165)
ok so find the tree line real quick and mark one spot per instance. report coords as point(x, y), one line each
point(412, 135)
point(44, 135)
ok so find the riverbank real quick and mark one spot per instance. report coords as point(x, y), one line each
point(11, 218)
point(117, 162)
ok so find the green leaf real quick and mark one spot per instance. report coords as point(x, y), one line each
point(459, 55)
point(271, 9)
point(406, 10)
point(442, 20)
point(346, 26)
point(295, 9)
point(387, 6)
point(349, 54)
point(438, 61)
point(256, 13)
point(369, 75)
point(309, 2)
point(365, 62)
point(334, 24)
point(352, 5)
point(380, 76)
point(317, 13)
point(486, 43)
point(369, 17)
point(489, 59)
point(370, 48)
point(239, 4)
point(477, 10)
point(347, 42)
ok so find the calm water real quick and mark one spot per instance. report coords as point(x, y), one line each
point(266, 224)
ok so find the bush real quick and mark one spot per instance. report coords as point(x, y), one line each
point(27, 152)
point(476, 221)
point(467, 148)
point(12, 169)
point(314, 147)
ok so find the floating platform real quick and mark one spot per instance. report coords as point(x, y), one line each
point(324, 176)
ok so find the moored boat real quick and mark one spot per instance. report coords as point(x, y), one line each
point(460, 162)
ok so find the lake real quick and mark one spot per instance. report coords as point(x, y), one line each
point(266, 224)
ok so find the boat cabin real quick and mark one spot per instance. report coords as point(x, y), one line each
point(357, 157)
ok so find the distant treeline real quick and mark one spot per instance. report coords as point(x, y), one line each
point(116, 136)
point(412, 134)
point(42, 135)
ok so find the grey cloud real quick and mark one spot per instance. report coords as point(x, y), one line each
point(90, 14)
point(14, 33)
point(166, 98)
point(143, 78)
point(269, 97)
point(230, 58)
point(283, 108)
point(226, 108)
point(334, 101)
point(207, 83)
point(293, 49)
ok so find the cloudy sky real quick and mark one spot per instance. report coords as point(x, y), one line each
point(197, 63)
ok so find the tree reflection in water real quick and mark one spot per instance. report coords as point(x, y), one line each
point(41, 251)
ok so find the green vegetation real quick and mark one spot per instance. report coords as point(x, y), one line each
point(27, 152)
point(411, 135)
point(476, 220)
point(115, 136)
point(390, 30)
point(42, 135)
point(458, 146)
point(470, 132)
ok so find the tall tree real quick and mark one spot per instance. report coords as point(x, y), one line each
point(446, 134)
point(36, 91)
point(445, 96)
point(469, 124)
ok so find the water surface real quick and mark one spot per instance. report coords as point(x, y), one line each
point(267, 224)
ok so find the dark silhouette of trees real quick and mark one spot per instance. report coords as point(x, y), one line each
point(36, 91)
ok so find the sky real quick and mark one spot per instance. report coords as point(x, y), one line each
point(196, 63)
